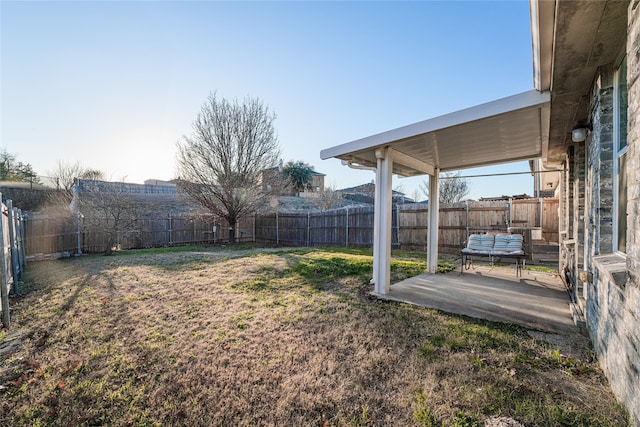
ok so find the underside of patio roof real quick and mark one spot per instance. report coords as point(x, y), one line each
point(505, 130)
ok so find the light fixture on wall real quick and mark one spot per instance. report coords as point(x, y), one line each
point(579, 133)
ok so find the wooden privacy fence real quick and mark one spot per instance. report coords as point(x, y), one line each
point(349, 226)
point(58, 236)
point(13, 257)
point(353, 226)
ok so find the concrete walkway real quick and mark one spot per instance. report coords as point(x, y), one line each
point(536, 300)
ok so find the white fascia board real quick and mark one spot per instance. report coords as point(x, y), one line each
point(529, 99)
point(534, 16)
point(542, 18)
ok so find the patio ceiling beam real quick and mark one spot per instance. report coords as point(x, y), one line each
point(403, 159)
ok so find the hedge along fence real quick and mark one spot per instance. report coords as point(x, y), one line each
point(13, 257)
point(349, 226)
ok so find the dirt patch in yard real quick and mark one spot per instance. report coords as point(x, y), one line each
point(278, 337)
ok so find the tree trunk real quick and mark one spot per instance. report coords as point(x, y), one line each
point(232, 228)
point(108, 250)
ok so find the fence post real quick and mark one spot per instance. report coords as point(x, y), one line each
point(466, 220)
point(308, 229)
point(12, 245)
point(4, 292)
point(398, 224)
point(20, 240)
point(170, 230)
point(277, 229)
point(347, 227)
point(540, 213)
point(79, 232)
point(255, 217)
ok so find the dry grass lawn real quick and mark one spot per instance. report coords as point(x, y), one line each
point(243, 337)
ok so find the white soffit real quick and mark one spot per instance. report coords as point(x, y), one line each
point(508, 129)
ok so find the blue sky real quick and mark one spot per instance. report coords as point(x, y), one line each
point(114, 85)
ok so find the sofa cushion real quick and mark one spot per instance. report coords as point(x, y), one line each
point(486, 242)
point(474, 243)
point(501, 242)
point(515, 243)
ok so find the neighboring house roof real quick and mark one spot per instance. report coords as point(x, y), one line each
point(367, 188)
point(93, 185)
point(159, 182)
point(514, 197)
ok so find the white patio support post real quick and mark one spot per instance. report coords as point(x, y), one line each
point(382, 222)
point(432, 230)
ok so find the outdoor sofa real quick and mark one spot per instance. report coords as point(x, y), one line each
point(500, 245)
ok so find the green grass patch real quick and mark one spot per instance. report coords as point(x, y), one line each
point(469, 336)
point(320, 267)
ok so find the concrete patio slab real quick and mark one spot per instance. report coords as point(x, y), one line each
point(536, 300)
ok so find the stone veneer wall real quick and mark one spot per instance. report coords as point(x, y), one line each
point(613, 292)
point(633, 140)
point(578, 189)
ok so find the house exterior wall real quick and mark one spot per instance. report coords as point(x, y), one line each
point(633, 139)
point(317, 183)
point(610, 281)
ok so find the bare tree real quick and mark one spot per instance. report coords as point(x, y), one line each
point(93, 174)
point(221, 164)
point(65, 175)
point(416, 194)
point(453, 188)
point(329, 198)
point(109, 209)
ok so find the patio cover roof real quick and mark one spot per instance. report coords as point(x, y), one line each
point(508, 129)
